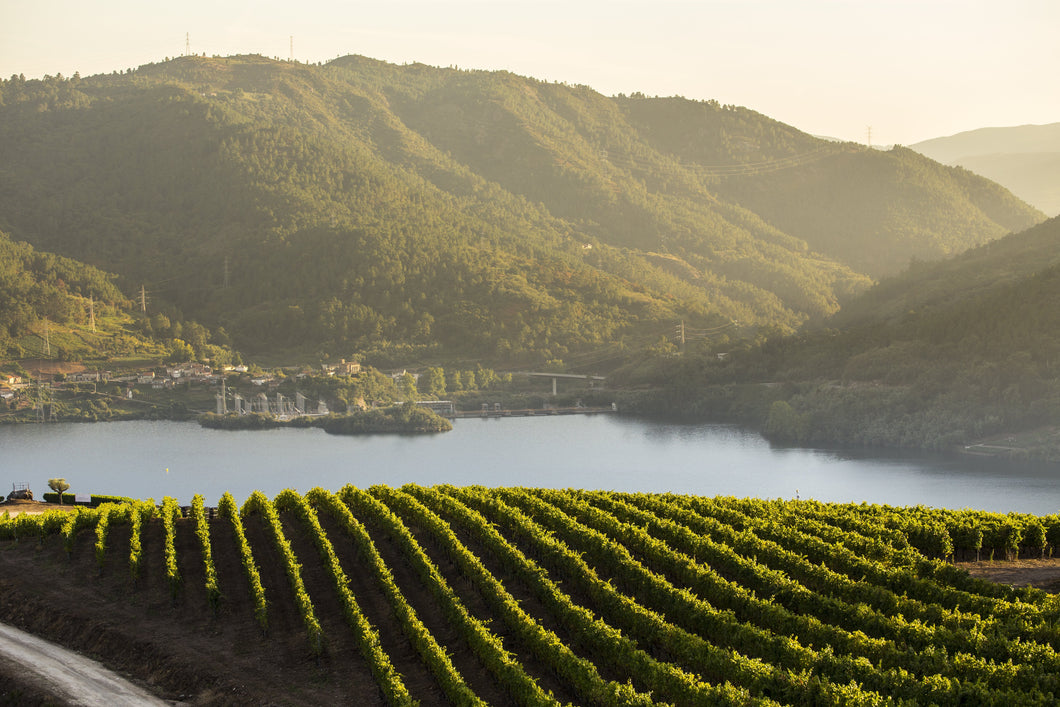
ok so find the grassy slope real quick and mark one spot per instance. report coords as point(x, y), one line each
point(64, 308)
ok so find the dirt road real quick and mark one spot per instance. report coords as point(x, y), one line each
point(67, 676)
point(14, 508)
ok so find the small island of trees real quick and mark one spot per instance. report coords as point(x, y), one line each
point(407, 418)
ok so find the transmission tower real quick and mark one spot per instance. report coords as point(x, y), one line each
point(42, 408)
point(679, 333)
point(143, 300)
point(187, 44)
point(868, 136)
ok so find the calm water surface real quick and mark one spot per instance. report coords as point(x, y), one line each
point(156, 459)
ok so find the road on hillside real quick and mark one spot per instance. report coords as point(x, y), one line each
point(67, 676)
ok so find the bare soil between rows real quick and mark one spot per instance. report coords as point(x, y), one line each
point(1040, 573)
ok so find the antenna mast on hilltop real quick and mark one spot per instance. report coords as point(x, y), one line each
point(187, 44)
point(868, 136)
point(292, 48)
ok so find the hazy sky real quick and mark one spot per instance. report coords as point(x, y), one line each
point(910, 69)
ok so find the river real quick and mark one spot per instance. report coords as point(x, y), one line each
point(180, 459)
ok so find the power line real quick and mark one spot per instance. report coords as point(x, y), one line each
point(738, 169)
point(615, 348)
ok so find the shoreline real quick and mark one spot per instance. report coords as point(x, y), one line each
point(1041, 445)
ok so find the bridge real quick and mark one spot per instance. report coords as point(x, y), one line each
point(556, 376)
point(497, 411)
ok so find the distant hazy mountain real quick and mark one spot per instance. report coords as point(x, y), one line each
point(1024, 159)
point(418, 211)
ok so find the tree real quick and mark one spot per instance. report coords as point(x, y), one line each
point(58, 486)
point(180, 351)
point(195, 335)
point(484, 378)
point(784, 424)
point(432, 382)
point(407, 386)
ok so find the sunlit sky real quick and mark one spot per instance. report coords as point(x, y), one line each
point(910, 69)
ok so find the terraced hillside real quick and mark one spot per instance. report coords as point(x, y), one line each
point(466, 596)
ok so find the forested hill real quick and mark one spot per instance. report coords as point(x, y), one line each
point(946, 354)
point(410, 210)
point(979, 271)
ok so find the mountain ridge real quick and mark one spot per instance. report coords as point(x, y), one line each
point(406, 210)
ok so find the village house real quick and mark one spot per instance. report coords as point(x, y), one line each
point(343, 368)
point(191, 369)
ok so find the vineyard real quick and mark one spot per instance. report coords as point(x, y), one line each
point(508, 596)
